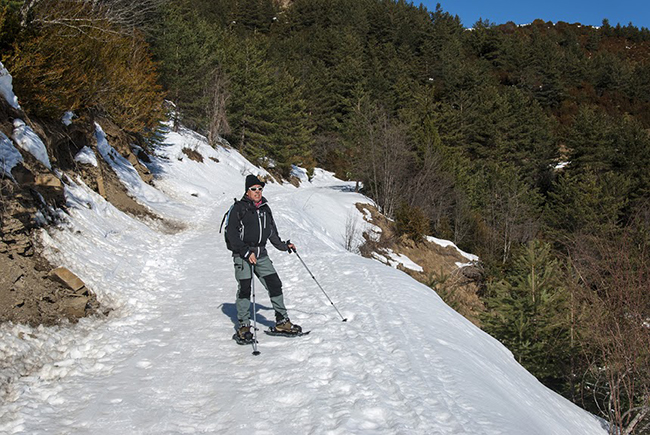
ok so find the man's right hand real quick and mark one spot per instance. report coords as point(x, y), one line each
point(252, 259)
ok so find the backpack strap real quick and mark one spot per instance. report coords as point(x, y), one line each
point(226, 215)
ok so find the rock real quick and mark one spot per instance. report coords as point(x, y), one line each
point(19, 283)
point(18, 243)
point(146, 176)
point(143, 156)
point(48, 180)
point(100, 186)
point(75, 307)
point(133, 159)
point(22, 175)
point(11, 226)
point(473, 273)
point(68, 278)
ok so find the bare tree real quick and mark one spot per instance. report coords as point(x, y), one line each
point(352, 231)
point(510, 211)
point(615, 282)
point(217, 120)
point(385, 159)
point(126, 15)
point(428, 180)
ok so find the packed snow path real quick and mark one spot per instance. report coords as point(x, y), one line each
point(164, 361)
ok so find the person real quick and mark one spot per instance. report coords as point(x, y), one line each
point(249, 225)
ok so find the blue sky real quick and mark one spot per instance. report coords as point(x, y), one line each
point(588, 12)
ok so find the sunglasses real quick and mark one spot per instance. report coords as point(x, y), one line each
point(255, 189)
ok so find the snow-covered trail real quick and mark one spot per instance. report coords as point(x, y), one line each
point(164, 361)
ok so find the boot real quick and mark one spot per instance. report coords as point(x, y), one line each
point(244, 333)
point(285, 326)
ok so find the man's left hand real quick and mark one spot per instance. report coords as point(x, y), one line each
point(291, 247)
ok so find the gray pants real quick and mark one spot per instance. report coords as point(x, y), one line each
point(266, 273)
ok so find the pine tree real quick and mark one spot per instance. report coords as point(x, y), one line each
point(529, 312)
point(254, 97)
point(267, 114)
point(292, 142)
point(187, 47)
point(253, 16)
point(590, 202)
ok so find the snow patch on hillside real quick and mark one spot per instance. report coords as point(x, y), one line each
point(29, 141)
point(445, 243)
point(9, 155)
point(6, 87)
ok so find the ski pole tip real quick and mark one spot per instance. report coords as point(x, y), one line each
point(345, 320)
point(257, 352)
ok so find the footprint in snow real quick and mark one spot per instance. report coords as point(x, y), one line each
point(144, 364)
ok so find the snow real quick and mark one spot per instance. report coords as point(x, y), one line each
point(146, 194)
point(9, 155)
point(86, 156)
point(394, 259)
point(29, 141)
point(299, 173)
point(445, 243)
point(66, 119)
point(163, 360)
point(6, 87)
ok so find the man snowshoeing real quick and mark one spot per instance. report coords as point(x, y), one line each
point(250, 224)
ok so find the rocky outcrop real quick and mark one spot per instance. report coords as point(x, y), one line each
point(33, 291)
point(29, 293)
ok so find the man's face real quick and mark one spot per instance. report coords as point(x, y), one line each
point(255, 193)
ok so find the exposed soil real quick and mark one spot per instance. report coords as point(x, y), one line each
point(193, 155)
point(28, 294)
point(33, 197)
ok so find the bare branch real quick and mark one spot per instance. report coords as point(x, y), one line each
point(124, 15)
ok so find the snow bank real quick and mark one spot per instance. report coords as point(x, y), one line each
point(6, 87)
point(9, 155)
point(144, 193)
point(86, 156)
point(66, 119)
point(394, 259)
point(25, 137)
point(445, 243)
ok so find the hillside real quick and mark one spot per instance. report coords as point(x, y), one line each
point(162, 359)
point(527, 146)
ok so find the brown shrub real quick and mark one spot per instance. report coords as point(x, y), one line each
point(412, 222)
point(88, 65)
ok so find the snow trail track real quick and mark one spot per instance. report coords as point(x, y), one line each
point(164, 362)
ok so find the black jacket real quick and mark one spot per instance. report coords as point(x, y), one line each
point(249, 227)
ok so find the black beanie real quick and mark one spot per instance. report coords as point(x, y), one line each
point(252, 180)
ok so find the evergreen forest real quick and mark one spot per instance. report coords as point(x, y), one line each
point(526, 145)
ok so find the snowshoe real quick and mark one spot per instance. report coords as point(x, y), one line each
point(244, 335)
point(273, 331)
point(286, 329)
point(242, 341)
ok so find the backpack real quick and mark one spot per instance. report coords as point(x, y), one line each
point(225, 219)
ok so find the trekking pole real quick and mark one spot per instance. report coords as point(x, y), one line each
point(321, 287)
point(255, 351)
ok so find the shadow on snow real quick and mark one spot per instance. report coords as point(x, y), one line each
point(230, 310)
